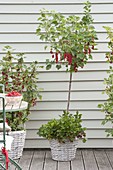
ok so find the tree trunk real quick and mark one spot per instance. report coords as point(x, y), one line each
point(69, 92)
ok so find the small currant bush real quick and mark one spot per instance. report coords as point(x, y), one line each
point(20, 77)
point(66, 128)
point(107, 107)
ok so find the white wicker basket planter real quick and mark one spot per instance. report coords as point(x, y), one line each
point(63, 151)
point(17, 144)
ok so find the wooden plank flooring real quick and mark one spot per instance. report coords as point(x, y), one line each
point(86, 159)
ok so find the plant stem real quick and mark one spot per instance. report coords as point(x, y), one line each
point(69, 92)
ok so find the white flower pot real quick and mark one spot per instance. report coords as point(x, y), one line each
point(63, 151)
point(17, 144)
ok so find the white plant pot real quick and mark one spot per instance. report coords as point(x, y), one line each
point(63, 151)
point(17, 144)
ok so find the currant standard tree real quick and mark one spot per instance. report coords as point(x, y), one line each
point(71, 39)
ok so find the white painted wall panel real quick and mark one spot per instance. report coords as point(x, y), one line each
point(62, 76)
point(51, 1)
point(61, 105)
point(18, 23)
point(32, 17)
point(60, 86)
point(83, 95)
point(47, 115)
point(63, 7)
point(31, 27)
point(31, 37)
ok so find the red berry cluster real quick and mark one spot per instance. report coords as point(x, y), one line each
point(110, 57)
point(71, 59)
point(13, 93)
point(87, 50)
point(54, 55)
point(68, 57)
point(33, 101)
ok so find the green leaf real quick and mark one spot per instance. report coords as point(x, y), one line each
point(58, 67)
point(99, 105)
point(38, 30)
point(48, 67)
point(45, 47)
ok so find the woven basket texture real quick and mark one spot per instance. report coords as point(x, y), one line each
point(17, 144)
point(63, 151)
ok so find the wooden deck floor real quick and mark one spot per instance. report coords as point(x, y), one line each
point(86, 159)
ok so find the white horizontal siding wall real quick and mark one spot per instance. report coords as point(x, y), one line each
point(18, 23)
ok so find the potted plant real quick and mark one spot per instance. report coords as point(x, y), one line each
point(20, 78)
point(72, 40)
point(107, 106)
point(62, 134)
